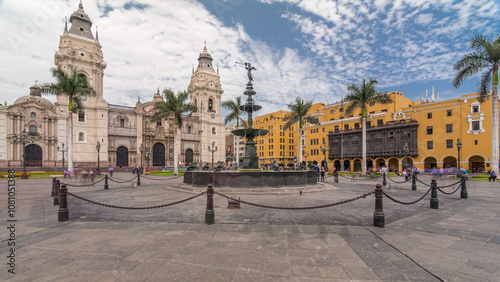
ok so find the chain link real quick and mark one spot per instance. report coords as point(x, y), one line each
point(428, 185)
point(175, 177)
point(449, 193)
point(136, 208)
point(297, 208)
point(111, 179)
point(453, 184)
point(399, 182)
point(84, 185)
point(407, 203)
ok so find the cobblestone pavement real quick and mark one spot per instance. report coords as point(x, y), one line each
point(457, 242)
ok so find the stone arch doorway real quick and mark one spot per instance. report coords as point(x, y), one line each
point(393, 165)
point(450, 162)
point(357, 165)
point(158, 154)
point(476, 164)
point(33, 155)
point(430, 163)
point(347, 165)
point(122, 156)
point(189, 156)
point(336, 164)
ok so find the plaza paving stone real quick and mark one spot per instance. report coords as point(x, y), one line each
point(460, 241)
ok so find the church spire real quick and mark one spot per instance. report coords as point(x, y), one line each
point(205, 61)
point(65, 24)
point(96, 34)
point(80, 23)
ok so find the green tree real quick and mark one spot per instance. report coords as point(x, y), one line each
point(174, 105)
point(234, 114)
point(74, 86)
point(360, 97)
point(298, 114)
point(485, 57)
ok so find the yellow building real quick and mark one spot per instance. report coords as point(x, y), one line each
point(430, 131)
point(278, 145)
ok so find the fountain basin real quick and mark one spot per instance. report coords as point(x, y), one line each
point(251, 179)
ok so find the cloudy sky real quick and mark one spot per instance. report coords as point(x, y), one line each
point(311, 49)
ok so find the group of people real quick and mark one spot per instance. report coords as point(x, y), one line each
point(84, 174)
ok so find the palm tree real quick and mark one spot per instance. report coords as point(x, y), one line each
point(234, 114)
point(486, 56)
point(73, 86)
point(174, 105)
point(359, 97)
point(298, 114)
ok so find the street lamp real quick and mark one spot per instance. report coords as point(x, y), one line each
point(141, 149)
point(147, 155)
point(201, 150)
point(212, 149)
point(459, 146)
point(63, 151)
point(324, 148)
point(98, 147)
point(406, 151)
point(305, 156)
point(23, 141)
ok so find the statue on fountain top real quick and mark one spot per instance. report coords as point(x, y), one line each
point(249, 68)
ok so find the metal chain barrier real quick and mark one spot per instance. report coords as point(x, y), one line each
point(175, 177)
point(137, 208)
point(449, 193)
point(111, 179)
point(446, 186)
point(399, 182)
point(407, 203)
point(83, 185)
point(297, 208)
point(428, 185)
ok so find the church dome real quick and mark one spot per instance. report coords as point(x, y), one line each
point(35, 99)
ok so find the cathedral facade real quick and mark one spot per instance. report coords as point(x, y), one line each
point(126, 135)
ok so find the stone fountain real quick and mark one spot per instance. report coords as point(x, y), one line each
point(249, 175)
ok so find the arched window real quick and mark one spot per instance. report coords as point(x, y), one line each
point(81, 136)
point(210, 105)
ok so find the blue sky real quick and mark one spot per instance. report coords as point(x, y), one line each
point(311, 49)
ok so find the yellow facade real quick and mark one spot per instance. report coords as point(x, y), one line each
point(278, 145)
point(440, 124)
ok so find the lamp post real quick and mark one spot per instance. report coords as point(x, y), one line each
point(63, 151)
point(141, 149)
point(324, 148)
point(459, 146)
point(98, 147)
point(212, 149)
point(201, 150)
point(305, 156)
point(24, 136)
point(406, 151)
point(147, 155)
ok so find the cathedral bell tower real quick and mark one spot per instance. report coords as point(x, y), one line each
point(79, 50)
point(205, 92)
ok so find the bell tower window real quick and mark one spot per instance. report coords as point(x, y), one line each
point(210, 105)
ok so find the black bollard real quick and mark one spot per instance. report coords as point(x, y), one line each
point(209, 213)
point(106, 181)
point(414, 182)
point(63, 214)
point(138, 179)
point(53, 192)
point(56, 193)
point(434, 195)
point(463, 191)
point(378, 215)
point(336, 177)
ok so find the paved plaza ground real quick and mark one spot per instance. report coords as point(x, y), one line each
point(460, 241)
